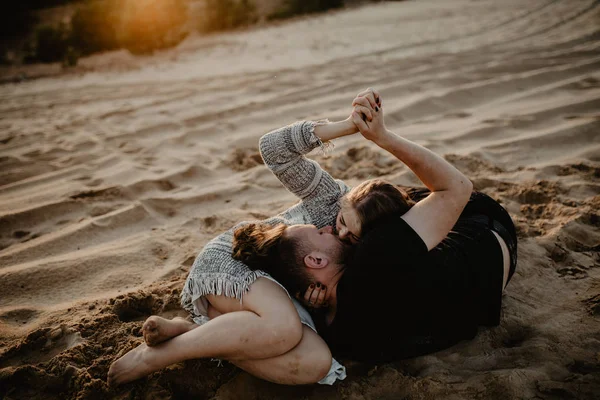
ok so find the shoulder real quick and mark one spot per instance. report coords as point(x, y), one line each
point(390, 240)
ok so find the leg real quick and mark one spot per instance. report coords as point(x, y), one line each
point(266, 325)
point(158, 329)
point(307, 363)
point(505, 259)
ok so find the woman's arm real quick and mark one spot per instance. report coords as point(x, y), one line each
point(433, 217)
point(283, 152)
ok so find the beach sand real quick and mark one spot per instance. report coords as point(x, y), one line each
point(113, 176)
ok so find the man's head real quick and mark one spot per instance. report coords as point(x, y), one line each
point(296, 256)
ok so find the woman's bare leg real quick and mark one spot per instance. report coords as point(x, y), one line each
point(265, 325)
point(307, 363)
point(158, 329)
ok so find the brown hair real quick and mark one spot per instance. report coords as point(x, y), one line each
point(376, 199)
point(266, 247)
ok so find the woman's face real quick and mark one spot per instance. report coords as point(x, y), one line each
point(348, 224)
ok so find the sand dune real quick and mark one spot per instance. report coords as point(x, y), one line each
point(114, 175)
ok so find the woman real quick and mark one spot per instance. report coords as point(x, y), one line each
point(437, 265)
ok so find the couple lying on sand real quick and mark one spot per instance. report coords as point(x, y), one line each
point(386, 272)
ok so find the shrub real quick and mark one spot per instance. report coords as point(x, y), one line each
point(147, 25)
point(15, 20)
point(140, 26)
point(51, 43)
point(221, 15)
point(295, 7)
point(94, 24)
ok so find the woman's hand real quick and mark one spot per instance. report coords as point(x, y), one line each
point(314, 297)
point(372, 96)
point(368, 115)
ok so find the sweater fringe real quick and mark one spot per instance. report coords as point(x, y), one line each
point(219, 284)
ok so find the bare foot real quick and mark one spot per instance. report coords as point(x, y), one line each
point(157, 329)
point(131, 366)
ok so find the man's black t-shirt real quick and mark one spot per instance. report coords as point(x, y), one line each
point(397, 300)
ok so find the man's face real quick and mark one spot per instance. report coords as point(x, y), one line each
point(319, 240)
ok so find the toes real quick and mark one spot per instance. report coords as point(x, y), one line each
point(150, 325)
point(150, 338)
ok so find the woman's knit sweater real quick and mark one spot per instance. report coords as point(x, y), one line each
point(215, 271)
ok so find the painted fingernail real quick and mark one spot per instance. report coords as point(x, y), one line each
point(376, 108)
point(318, 285)
point(312, 286)
point(324, 287)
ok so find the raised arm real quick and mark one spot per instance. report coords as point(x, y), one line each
point(433, 217)
point(283, 152)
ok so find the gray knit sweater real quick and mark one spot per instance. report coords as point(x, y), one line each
point(215, 271)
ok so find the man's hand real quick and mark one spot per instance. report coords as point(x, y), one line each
point(314, 297)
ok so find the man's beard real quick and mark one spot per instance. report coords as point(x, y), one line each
point(344, 253)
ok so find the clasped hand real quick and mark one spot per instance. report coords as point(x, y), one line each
point(367, 115)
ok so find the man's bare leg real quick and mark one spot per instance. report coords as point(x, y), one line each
point(266, 325)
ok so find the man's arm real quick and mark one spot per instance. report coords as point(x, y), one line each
point(283, 152)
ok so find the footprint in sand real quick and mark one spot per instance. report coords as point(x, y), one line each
point(243, 159)
point(593, 304)
point(41, 345)
point(516, 335)
point(458, 114)
point(19, 316)
point(20, 234)
point(135, 306)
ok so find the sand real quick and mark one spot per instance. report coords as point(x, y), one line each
point(113, 176)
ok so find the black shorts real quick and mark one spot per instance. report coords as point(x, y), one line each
point(509, 238)
point(491, 268)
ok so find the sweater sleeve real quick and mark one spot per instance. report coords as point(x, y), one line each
point(283, 153)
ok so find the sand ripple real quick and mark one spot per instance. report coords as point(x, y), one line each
point(113, 179)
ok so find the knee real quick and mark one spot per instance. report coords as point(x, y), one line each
point(285, 334)
point(321, 364)
point(311, 368)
